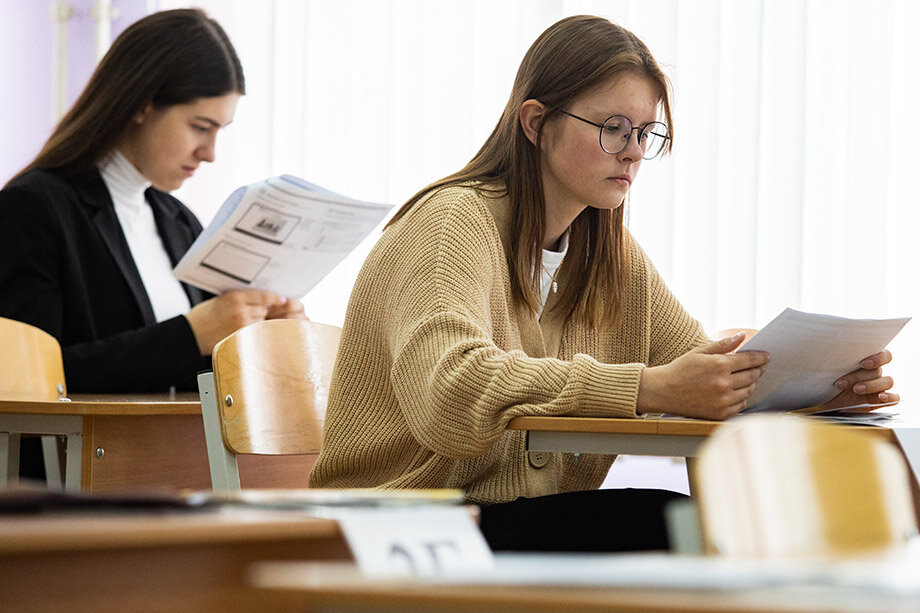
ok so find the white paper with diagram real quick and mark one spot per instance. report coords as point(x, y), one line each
point(282, 234)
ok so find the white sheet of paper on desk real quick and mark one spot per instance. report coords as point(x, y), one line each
point(282, 234)
point(417, 541)
point(809, 352)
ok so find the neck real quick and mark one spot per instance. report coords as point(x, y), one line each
point(561, 211)
point(558, 220)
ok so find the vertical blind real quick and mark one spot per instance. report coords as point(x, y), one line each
point(791, 179)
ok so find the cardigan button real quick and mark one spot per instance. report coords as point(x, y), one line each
point(538, 459)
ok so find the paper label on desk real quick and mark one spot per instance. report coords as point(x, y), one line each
point(423, 541)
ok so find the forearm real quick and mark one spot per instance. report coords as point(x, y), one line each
point(152, 359)
point(458, 390)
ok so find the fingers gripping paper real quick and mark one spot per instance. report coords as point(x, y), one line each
point(809, 352)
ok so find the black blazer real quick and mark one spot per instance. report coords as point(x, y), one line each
point(65, 267)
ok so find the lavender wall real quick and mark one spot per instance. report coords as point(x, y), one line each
point(27, 71)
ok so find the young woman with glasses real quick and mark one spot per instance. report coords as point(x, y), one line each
point(513, 288)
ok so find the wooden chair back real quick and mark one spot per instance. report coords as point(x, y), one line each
point(31, 363)
point(271, 385)
point(787, 486)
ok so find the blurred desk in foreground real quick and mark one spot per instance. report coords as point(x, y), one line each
point(598, 583)
point(116, 442)
point(168, 560)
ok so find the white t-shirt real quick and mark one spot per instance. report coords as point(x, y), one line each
point(552, 260)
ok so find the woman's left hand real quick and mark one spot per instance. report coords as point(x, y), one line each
point(291, 309)
point(866, 385)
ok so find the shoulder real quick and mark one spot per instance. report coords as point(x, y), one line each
point(638, 258)
point(462, 209)
point(39, 181)
point(643, 271)
point(40, 194)
point(449, 228)
point(463, 200)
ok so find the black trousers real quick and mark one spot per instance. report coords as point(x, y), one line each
point(598, 520)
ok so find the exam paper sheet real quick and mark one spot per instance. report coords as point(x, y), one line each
point(809, 352)
point(282, 234)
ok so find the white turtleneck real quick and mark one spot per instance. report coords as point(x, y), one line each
point(127, 185)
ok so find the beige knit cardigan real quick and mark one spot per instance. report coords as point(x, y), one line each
point(436, 358)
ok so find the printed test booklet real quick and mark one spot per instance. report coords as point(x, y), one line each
point(282, 234)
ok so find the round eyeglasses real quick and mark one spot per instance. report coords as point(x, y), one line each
point(617, 130)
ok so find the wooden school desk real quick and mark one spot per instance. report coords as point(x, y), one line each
point(167, 560)
point(338, 587)
point(126, 441)
point(649, 435)
point(656, 436)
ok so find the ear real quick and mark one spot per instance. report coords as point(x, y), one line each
point(142, 115)
point(531, 116)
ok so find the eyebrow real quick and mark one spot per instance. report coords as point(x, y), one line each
point(644, 123)
point(213, 123)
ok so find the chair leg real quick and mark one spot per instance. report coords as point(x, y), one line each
point(684, 532)
point(9, 455)
point(51, 455)
point(73, 462)
point(691, 475)
point(225, 474)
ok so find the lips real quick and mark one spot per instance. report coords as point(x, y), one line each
point(622, 179)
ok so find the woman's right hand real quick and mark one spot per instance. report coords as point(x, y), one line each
point(709, 382)
point(213, 320)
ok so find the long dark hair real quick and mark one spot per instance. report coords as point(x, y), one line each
point(167, 58)
point(570, 58)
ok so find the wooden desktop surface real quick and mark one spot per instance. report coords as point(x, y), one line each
point(649, 435)
point(177, 560)
point(650, 425)
point(331, 587)
point(151, 440)
point(184, 403)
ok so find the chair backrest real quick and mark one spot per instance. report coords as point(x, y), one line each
point(786, 486)
point(30, 363)
point(271, 385)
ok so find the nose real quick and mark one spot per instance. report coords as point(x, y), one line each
point(633, 152)
point(206, 153)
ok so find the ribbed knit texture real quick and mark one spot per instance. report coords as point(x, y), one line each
point(436, 358)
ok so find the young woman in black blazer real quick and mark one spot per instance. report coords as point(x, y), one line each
point(79, 262)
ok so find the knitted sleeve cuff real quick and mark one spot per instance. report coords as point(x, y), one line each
point(608, 390)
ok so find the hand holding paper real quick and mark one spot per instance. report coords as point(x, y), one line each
point(809, 353)
point(709, 382)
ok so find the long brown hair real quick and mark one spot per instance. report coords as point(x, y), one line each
point(167, 58)
point(567, 60)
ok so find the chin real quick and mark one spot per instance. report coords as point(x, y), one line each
point(608, 205)
point(168, 186)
